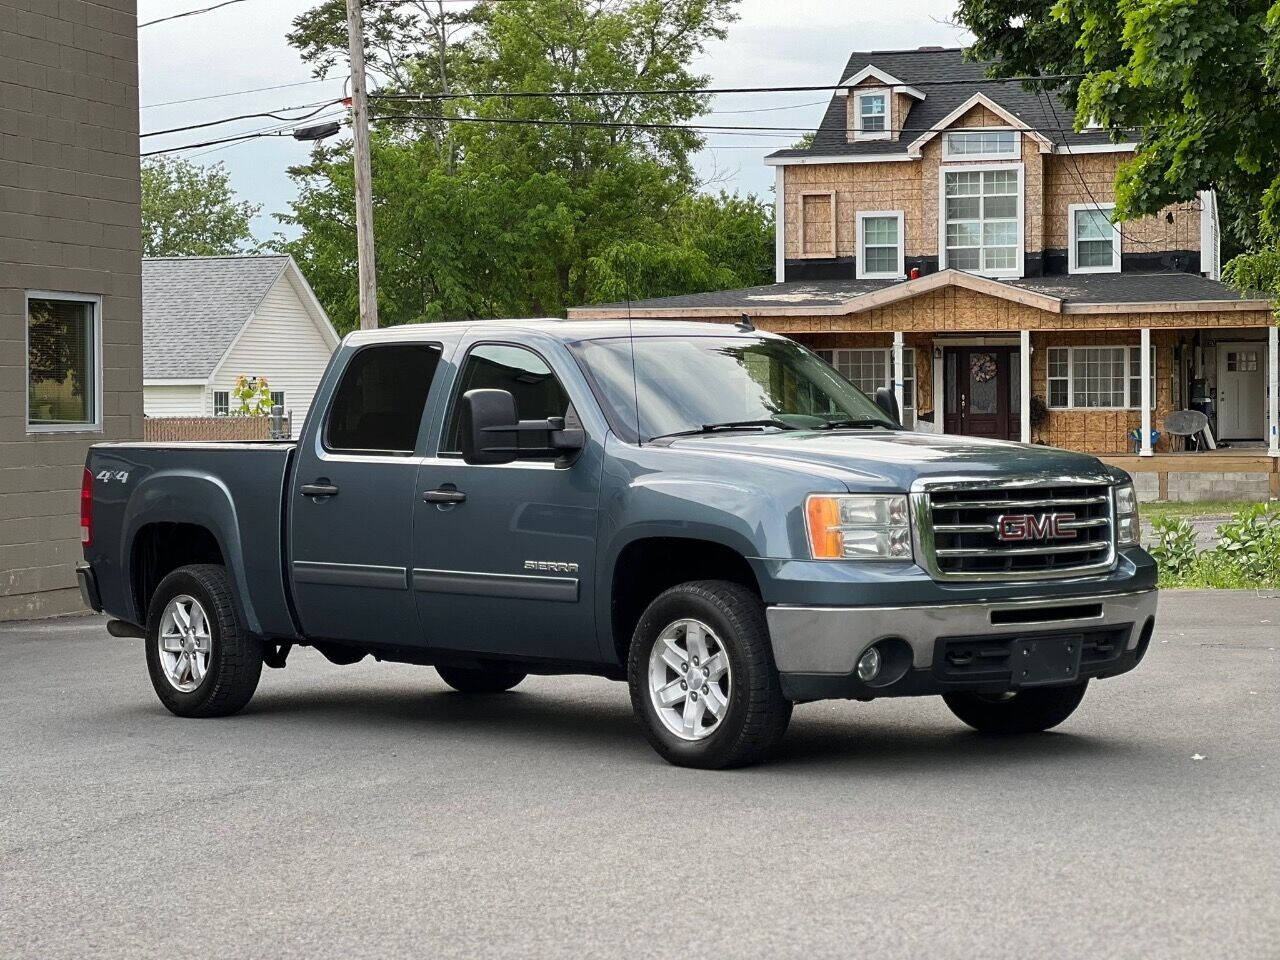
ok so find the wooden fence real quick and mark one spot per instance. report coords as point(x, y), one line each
point(168, 429)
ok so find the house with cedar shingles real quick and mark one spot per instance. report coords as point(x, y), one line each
point(951, 237)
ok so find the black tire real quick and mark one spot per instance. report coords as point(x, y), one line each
point(235, 658)
point(1023, 711)
point(757, 713)
point(489, 678)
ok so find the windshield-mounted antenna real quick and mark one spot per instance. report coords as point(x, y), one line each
point(745, 325)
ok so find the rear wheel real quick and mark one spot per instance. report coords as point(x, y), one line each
point(1019, 711)
point(702, 677)
point(201, 661)
point(489, 678)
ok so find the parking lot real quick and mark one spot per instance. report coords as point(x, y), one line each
point(367, 811)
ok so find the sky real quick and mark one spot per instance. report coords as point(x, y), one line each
point(243, 47)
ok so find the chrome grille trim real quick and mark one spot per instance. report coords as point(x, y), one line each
point(948, 551)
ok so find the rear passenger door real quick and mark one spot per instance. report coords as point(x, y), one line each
point(352, 498)
point(507, 568)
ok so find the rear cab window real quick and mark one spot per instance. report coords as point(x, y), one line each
point(379, 403)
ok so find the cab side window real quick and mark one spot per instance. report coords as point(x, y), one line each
point(520, 372)
point(378, 406)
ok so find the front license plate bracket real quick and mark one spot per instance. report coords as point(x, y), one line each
point(1042, 661)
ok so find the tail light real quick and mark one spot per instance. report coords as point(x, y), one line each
point(86, 509)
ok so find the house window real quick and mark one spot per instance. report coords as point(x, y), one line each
point(880, 245)
point(1098, 377)
point(818, 224)
point(1095, 240)
point(64, 362)
point(873, 116)
point(980, 144)
point(982, 220)
point(221, 403)
point(277, 398)
point(870, 369)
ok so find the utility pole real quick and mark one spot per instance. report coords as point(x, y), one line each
point(363, 177)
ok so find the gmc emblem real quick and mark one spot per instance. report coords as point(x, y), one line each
point(1012, 527)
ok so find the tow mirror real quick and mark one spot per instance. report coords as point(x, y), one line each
point(887, 401)
point(491, 433)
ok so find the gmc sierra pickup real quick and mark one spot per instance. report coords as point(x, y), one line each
point(708, 512)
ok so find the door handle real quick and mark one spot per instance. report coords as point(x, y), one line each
point(318, 489)
point(444, 496)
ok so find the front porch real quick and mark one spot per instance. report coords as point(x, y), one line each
point(1240, 473)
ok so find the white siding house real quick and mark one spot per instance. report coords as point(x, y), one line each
point(209, 320)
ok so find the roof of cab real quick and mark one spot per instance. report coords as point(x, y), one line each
point(565, 330)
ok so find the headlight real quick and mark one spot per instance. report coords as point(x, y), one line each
point(1128, 531)
point(858, 527)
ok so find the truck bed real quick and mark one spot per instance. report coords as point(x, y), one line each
point(159, 489)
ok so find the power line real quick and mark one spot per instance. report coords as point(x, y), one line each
point(188, 13)
point(234, 93)
point(247, 116)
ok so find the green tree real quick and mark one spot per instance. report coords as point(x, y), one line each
point(1196, 84)
point(192, 211)
point(477, 219)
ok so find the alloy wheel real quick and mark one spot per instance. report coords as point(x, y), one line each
point(689, 679)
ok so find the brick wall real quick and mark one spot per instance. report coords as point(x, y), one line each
point(69, 223)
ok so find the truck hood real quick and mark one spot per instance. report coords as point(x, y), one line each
point(896, 459)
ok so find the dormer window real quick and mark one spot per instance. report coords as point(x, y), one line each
point(873, 115)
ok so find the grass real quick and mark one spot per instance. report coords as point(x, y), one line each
point(1203, 508)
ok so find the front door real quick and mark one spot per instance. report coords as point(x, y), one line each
point(505, 566)
point(979, 383)
point(353, 495)
point(1241, 390)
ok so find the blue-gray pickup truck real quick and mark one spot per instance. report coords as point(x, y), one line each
point(710, 513)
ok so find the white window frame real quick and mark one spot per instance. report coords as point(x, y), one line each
point(227, 411)
point(1129, 350)
point(1073, 253)
point(1012, 155)
point(900, 272)
point(858, 132)
point(280, 394)
point(1020, 168)
point(908, 396)
point(96, 363)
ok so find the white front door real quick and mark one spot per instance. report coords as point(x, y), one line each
point(1242, 390)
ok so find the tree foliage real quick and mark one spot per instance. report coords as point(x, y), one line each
point(1196, 84)
point(192, 211)
point(477, 219)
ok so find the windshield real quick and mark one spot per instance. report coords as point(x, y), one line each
point(690, 384)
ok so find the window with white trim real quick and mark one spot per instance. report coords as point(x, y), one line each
point(982, 220)
point(221, 403)
point(980, 144)
point(1099, 378)
point(880, 245)
point(872, 118)
point(1095, 240)
point(277, 398)
point(64, 362)
point(868, 369)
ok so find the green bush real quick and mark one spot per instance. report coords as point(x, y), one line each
point(1247, 555)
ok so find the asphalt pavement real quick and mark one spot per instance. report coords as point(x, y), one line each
point(367, 811)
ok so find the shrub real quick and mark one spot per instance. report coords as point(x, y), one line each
point(1247, 554)
point(1175, 546)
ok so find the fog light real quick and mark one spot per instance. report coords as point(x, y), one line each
point(869, 665)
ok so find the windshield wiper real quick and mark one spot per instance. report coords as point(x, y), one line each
point(727, 425)
point(840, 424)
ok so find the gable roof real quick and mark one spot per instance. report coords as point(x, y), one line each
point(1046, 113)
point(193, 309)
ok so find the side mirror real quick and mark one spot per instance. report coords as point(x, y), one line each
point(887, 401)
point(491, 433)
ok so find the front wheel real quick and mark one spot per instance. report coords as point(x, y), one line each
point(1019, 711)
point(702, 677)
point(201, 660)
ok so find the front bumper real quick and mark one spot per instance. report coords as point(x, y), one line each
point(953, 647)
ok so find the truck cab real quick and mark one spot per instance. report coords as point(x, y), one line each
point(707, 512)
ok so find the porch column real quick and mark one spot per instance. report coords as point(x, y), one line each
point(1145, 370)
point(1024, 386)
point(1273, 355)
point(897, 370)
point(779, 224)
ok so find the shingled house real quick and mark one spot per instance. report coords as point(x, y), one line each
point(951, 237)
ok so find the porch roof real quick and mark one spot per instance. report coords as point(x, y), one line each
point(1071, 293)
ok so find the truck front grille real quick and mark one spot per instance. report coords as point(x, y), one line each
point(1021, 532)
